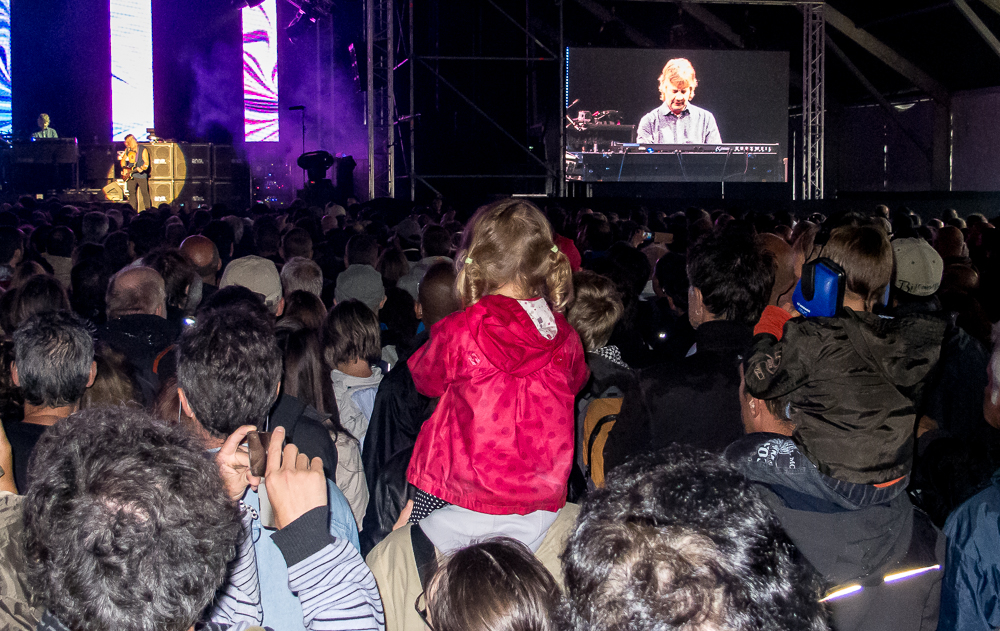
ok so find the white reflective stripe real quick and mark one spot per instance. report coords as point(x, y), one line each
point(889, 578)
point(844, 591)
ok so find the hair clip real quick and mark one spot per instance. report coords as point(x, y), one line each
point(555, 248)
point(468, 260)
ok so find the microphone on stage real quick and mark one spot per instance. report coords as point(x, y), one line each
point(296, 108)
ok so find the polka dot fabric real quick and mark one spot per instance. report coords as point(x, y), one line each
point(423, 505)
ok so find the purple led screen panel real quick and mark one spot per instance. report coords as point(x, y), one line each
point(131, 68)
point(260, 73)
point(6, 115)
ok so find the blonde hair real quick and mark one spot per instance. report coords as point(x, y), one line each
point(678, 72)
point(45, 119)
point(510, 242)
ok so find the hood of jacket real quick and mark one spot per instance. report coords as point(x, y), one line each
point(846, 546)
point(503, 330)
point(905, 348)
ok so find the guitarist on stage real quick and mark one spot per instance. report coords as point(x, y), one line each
point(135, 172)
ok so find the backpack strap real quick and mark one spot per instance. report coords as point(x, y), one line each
point(595, 449)
point(423, 554)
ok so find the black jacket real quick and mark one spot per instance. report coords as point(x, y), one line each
point(954, 391)
point(397, 416)
point(304, 428)
point(851, 383)
point(694, 401)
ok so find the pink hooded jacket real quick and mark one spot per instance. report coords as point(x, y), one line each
point(501, 438)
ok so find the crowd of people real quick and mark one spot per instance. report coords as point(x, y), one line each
point(510, 418)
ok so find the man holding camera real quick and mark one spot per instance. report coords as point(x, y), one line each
point(228, 375)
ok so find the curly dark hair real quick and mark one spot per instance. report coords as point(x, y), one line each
point(229, 367)
point(734, 274)
point(679, 539)
point(126, 523)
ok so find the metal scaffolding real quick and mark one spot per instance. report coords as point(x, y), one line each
point(380, 107)
point(535, 52)
point(813, 101)
point(381, 104)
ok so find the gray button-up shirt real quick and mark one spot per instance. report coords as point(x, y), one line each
point(693, 125)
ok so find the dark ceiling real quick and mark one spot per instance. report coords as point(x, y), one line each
point(933, 35)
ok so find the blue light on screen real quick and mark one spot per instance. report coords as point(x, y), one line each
point(131, 68)
point(260, 73)
point(6, 116)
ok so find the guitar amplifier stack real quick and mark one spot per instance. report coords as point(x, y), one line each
point(192, 174)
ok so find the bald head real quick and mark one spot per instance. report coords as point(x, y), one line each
point(204, 255)
point(784, 266)
point(959, 279)
point(437, 296)
point(136, 290)
point(949, 242)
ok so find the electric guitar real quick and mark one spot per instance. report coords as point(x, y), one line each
point(130, 169)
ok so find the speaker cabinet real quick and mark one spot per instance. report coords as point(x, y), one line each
point(193, 161)
point(193, 193)
point(98, 162)
point(227, 164)
point(161, 157)
point(162, 191)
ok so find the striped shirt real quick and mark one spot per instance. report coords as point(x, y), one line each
point(335, 587)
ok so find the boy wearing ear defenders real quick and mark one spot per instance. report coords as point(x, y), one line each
point(850, 381)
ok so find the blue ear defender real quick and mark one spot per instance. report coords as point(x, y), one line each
point(820, 291)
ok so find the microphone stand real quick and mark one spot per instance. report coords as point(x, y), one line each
point(302, 111)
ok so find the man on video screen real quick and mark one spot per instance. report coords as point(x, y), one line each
point(677, 121)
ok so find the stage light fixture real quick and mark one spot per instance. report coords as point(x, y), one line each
point(316, 164)
point(299, 26)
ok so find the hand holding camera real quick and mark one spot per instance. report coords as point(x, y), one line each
point(295, 484)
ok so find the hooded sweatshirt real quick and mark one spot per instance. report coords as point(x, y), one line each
point(501, 438)
point(855, 550)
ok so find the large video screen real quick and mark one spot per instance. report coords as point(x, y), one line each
point(260, 72)
point(614, 94)
point(131, 68)
point(6, 116)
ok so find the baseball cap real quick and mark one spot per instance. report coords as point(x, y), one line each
point(360, 282)
point(918, 267)
point(257, 274)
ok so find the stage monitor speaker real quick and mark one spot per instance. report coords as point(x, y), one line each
point(162, 158)
point(193, 161)
point(114, 192)
point(227, 164)
point(193, 193)
point(162, 191)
